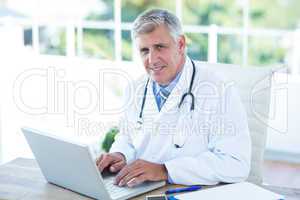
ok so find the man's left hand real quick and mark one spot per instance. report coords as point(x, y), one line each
point(140, 171)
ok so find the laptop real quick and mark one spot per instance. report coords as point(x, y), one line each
point(70, 165)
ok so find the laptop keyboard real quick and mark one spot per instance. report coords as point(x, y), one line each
point(115, 190)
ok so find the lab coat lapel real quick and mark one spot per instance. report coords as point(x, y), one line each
point(150, 105)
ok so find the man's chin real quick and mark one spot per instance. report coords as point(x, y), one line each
point(159, 80)
point(159, 77)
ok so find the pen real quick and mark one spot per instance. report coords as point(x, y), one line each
point(186, 189)
point(172, 198)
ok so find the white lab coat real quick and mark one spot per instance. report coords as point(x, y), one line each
point(214, 137)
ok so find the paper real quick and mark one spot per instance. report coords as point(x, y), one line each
point(237, 191)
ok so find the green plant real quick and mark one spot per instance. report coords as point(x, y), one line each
point(109, 138)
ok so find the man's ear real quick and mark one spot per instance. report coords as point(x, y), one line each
point(181, 44)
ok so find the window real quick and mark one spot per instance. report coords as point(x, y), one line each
point(230, 49)
point(52, 40)
point(127, 50)
point(197, 45)
point(205, 12)
point(264, 51)
point(234, 31)
point(275, 14)
point(103, 10)
point(131, 9)
point(98, 44)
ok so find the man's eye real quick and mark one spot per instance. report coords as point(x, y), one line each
point(144, 51)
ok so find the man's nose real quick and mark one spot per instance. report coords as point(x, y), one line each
point(153, 57)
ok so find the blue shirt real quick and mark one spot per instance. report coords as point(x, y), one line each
point(169, 87)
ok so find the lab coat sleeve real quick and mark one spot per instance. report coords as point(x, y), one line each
point(123, 142)
point(227, 158)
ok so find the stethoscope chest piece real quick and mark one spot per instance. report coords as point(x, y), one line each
point(139, 124)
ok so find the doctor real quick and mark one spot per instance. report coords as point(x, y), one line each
point(184, 123)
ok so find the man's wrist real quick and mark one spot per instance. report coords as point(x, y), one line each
point(164, 172)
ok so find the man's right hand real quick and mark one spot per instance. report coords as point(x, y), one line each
point(113, 161)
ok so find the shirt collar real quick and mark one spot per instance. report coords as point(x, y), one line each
point(169, 87)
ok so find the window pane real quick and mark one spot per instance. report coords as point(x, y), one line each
point(98, 43)
point(266, 51)
point(206, 12)
point(76, 42)
point(230, 49)
point(275, 13)
point(27, 37)
point(102, 10)
point(52, 40)
point(126, 46)
point(131, 9)
point(197, 45)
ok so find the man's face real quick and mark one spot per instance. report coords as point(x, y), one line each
point(162, 57)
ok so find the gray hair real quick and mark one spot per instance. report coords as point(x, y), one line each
point(148, 21)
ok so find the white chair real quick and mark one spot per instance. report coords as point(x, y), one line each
point(254, 87)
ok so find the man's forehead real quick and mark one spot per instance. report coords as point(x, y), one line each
point(152, 44)
point(154, 38)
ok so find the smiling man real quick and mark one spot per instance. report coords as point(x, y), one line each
point(176, 138)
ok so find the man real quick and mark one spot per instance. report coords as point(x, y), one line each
point(182, 144)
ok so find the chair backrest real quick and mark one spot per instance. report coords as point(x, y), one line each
point(254, 87)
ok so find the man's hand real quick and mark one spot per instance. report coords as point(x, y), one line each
point(140, 171)
point(114, 161)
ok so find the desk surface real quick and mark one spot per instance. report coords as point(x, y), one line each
point(22, 179)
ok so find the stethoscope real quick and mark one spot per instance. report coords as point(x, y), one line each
point(189, 93)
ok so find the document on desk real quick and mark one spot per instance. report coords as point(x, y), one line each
point(237, 191)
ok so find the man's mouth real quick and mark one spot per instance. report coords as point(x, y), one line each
point(157, 69)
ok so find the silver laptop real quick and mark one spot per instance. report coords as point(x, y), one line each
point(70, 165)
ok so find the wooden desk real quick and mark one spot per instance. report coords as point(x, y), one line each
point(22, 179)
